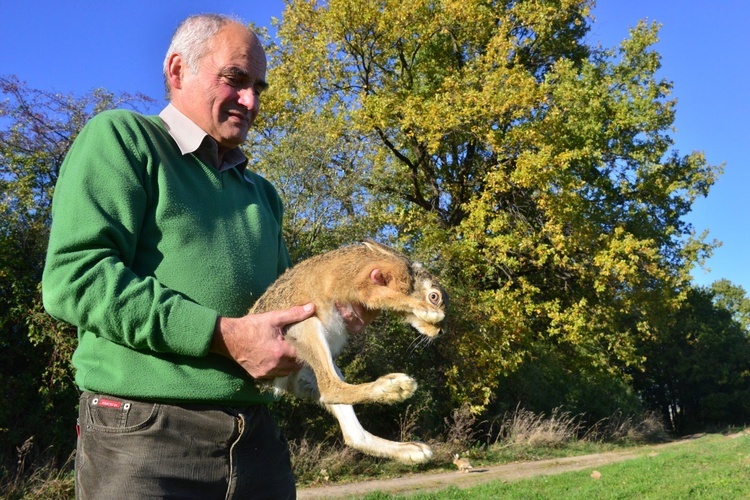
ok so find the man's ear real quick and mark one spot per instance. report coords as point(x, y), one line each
point(175, 69)
point(377, 277)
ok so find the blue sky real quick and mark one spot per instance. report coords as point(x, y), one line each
point(78, 45)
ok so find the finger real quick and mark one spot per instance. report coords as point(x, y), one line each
point(294, 314)
point(286, 367)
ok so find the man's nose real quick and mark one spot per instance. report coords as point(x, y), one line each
point(249, 99)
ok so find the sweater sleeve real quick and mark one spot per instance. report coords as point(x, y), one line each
point(98, 208)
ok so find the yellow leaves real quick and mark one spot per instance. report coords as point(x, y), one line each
point(490, 135)
point(625, 261)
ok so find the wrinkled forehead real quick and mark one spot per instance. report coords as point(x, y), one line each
point(235, 44)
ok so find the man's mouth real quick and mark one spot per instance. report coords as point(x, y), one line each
point(243, 117)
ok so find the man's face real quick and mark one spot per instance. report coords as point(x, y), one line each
point(223, 96)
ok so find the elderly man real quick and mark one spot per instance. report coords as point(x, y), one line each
point(161, 240)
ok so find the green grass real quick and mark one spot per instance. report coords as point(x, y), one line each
point(712, 467)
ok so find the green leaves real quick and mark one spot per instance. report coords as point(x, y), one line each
point(495, 143)
point(36, 130)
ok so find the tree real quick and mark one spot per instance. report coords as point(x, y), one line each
point(36, 130)
point(733, 299)
point(490, 140)
point(697, 368)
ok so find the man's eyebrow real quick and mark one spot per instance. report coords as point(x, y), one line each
point(241, 74)
point(235, 72)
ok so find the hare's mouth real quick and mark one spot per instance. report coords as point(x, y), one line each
point(430, 330)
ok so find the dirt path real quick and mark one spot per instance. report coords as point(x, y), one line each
point(507, 472)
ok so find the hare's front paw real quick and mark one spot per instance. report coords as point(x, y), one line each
point(430, 314)
point(393, 388)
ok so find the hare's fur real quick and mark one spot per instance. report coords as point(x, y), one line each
point(379, 278)
point(463, 464)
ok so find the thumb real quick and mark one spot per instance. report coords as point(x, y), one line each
point(295, 314)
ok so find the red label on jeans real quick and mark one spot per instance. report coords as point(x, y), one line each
point(108, 403)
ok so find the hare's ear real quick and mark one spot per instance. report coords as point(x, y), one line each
point(374, 246)
point(377, 277)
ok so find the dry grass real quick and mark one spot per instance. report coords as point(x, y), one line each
point(461, 428)
point(316, 463)
point(537, 430)
point(408, 423)
point(521, 435)
point(48, 481)
point(525, 428)
point(621, 428)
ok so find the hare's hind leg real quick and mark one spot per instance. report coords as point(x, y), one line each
point(309, 338)
point(359, 439)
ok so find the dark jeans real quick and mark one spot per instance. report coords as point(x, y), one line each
point(136, 449)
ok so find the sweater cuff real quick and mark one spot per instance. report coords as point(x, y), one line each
point(190, 329)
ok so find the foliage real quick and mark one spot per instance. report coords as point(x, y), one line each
point(733, 299)
point(36, 130)
point(553, 379)
point(697, 371)
point(531, 170)
point(49, 481)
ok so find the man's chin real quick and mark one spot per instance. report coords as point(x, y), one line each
point(234, 138)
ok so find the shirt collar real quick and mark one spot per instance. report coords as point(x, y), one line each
point(190, 138)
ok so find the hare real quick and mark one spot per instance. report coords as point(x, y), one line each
point(379, 278)
point(463, 464)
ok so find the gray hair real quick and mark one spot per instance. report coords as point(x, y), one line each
point(190, 40)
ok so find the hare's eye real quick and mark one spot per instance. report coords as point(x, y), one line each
point(434, 297)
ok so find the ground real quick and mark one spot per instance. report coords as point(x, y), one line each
point(508, 472)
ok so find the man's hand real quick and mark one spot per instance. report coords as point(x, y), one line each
point(256, 341)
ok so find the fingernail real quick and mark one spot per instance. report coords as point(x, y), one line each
point(308, 307)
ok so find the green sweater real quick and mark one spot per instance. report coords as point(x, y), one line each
point(147, 248)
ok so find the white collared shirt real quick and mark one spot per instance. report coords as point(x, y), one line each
point(191, 139)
